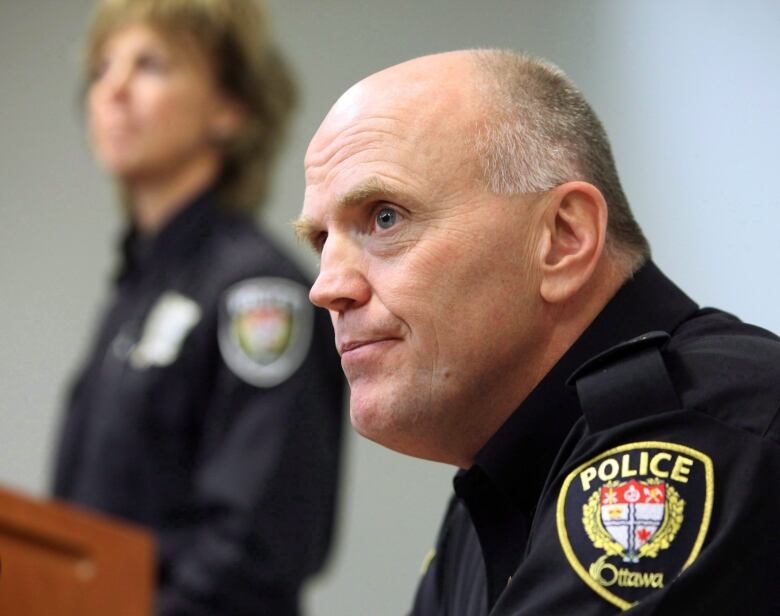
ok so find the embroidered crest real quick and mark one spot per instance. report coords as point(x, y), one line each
point(169, 321)
point(631, 519)
point(265, 329)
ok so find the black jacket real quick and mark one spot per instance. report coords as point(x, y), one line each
point(209, 411)
point(647, 484)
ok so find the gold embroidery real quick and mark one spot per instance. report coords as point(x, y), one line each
point(661, 465)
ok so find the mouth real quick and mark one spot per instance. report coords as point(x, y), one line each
point(357, 347)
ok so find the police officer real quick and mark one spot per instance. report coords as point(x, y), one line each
point(209, 407)
point(496, 308)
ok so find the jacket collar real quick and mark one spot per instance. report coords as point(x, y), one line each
point(517, 458)
point(180, 236)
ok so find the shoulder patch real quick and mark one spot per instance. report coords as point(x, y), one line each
point(265, 329)
point(631, 519)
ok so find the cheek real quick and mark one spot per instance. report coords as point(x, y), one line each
point(425, 291)
point(409, 287)
point(471, 305)
point(178, 129)
point(164, 111)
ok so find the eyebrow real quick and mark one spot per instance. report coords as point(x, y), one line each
point(306, 228)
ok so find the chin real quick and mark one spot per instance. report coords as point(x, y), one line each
point(377, 419)
point(367, 418)
point(118, 165)
point(374, 415)
point(124, 159)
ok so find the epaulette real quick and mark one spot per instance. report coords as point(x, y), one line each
point(626, 382)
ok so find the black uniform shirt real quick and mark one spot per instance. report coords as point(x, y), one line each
point(209, 410)
point(518, 538)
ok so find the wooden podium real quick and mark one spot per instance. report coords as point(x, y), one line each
point(57, 560)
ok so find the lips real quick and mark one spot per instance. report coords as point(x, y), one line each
point(360, 354)
point(353, 345)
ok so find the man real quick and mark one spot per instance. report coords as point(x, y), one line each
point(477, 251)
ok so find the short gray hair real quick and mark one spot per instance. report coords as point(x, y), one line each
point(540, 133)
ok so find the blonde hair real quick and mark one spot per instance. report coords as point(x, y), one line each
point(233, 36)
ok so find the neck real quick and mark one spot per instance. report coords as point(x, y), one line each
point(154, 200)
point(561, 325)
point(569, 320)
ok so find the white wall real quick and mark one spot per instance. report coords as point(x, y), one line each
point(688, 92)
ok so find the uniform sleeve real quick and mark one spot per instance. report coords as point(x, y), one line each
point(261, 515)
point(738, 570)
point(674, 514)
point(453, 579)
point(428, 599)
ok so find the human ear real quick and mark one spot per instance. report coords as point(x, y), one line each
point(575, 226)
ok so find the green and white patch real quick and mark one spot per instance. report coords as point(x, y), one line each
point(265, 329)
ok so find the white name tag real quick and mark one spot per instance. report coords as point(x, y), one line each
point(165, 329)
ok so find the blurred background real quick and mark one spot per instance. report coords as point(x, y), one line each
point(689, 93)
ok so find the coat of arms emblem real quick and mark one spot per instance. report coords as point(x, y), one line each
point(265, 329)
point(633, 519)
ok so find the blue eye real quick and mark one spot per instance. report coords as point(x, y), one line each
point(386, 218)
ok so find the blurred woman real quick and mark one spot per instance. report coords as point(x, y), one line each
point(209, 407)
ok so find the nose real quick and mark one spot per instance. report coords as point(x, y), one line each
point(119, 84)
point(114, 83)
point(341, 284)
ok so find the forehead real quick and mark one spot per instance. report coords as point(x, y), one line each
point(139, 34)
point(132, 35)
point(411, 134)
point(139, 37)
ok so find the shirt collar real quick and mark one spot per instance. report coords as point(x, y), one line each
point(517, 458)
point(180, 235)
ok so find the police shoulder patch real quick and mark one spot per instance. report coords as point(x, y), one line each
point(265, 329)
point(631, 519)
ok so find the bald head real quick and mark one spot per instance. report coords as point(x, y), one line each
point(436, 97)
point(446, 75)
point(519, 123)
